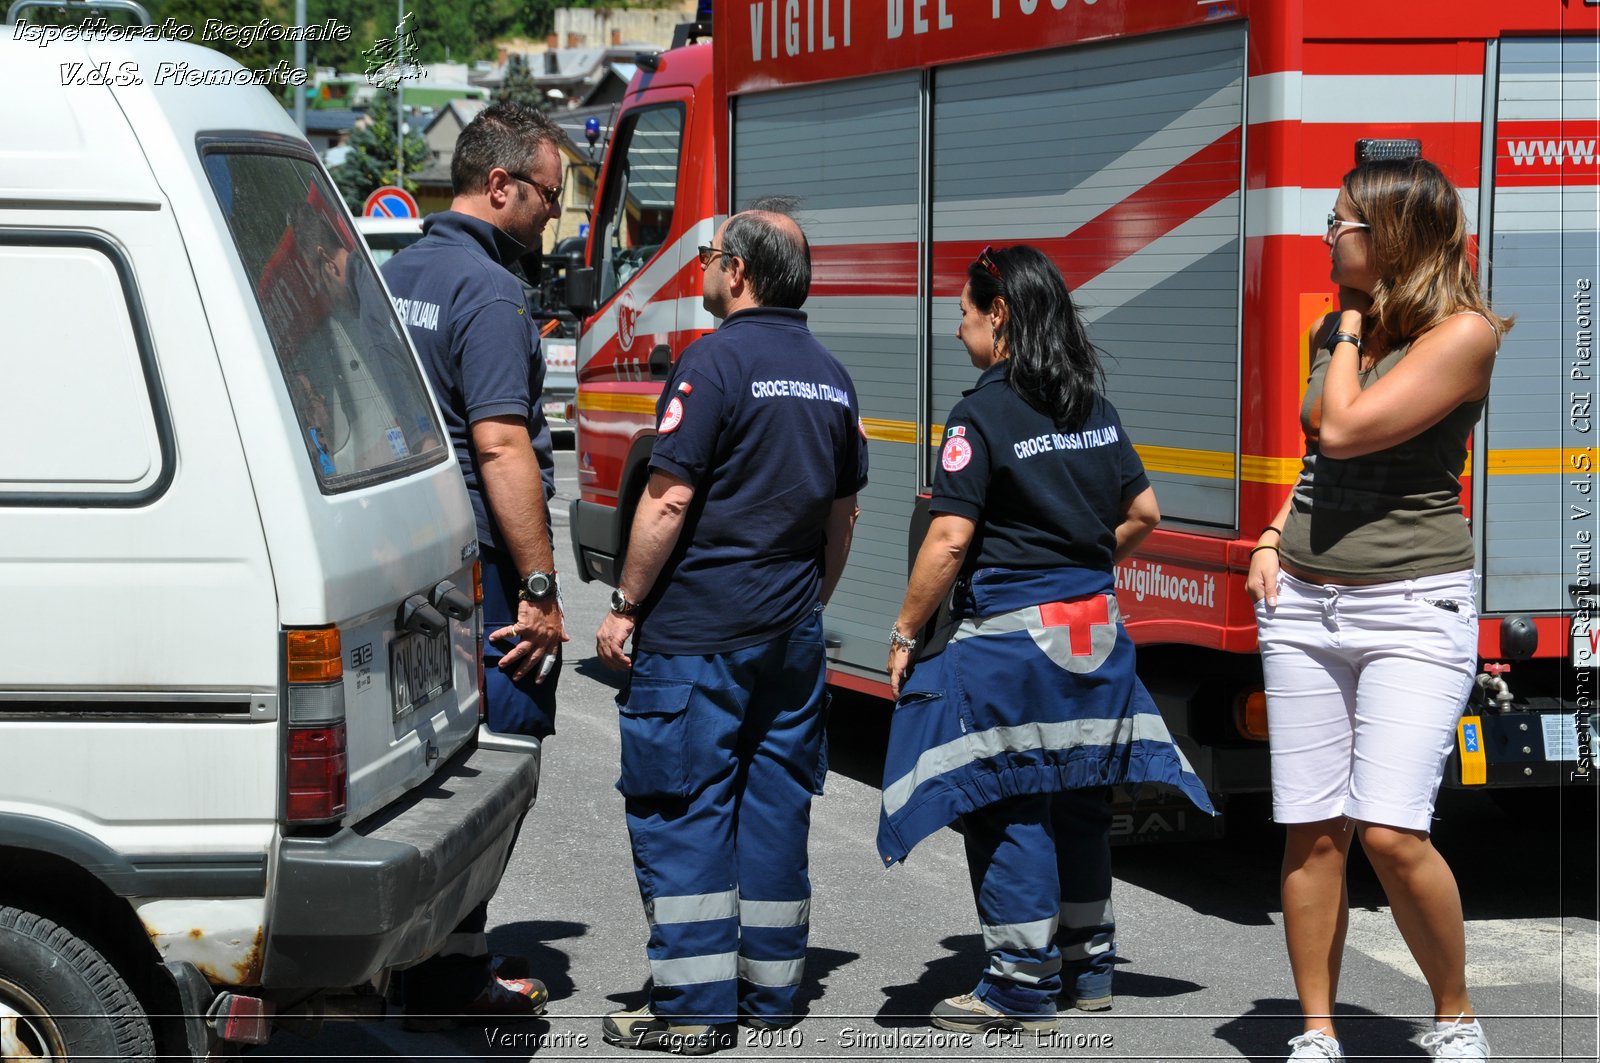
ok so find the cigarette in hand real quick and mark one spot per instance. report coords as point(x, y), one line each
point(547, 666)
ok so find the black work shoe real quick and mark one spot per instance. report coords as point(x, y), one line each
point(642, 1029)
point(967, 1014)
point(758, 1022)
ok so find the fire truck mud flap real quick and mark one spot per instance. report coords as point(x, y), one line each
point(385, 892)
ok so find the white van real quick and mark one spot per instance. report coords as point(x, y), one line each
point(241, 775)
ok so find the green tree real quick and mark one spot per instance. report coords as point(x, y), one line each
point(371, 162)
point(519, 86)
point(257, 54)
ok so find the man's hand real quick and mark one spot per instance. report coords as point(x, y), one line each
point(898, 667)
point(611, 641)
point(539, 631)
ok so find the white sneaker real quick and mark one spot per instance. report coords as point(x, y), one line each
point(1314, 1044)
point(1457, 1040)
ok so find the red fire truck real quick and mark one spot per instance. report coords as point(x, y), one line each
point(1177, 160)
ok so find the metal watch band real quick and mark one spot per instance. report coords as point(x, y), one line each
point(897, 639)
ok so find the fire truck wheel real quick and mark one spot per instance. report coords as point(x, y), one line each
point(60, 999)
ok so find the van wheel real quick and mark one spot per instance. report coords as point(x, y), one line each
point(60, 999)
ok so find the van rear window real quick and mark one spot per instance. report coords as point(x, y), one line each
point(362, 405)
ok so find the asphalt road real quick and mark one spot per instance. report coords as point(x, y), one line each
point(1202, 972)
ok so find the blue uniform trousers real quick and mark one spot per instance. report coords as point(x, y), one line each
point(721, 754)
point(1041, 876)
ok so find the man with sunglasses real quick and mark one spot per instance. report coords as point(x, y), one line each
point(468, 316)
point(737, 543)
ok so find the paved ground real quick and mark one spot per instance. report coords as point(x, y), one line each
point(1203, 973)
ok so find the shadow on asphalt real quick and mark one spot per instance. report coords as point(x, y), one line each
point(592, 668)
point(1262, 1034)
point(537, 941)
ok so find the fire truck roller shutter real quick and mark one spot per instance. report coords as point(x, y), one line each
point(1544, 248)
point(849, 152)
point(1122, 162)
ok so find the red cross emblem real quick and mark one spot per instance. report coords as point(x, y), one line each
point(1079, 617)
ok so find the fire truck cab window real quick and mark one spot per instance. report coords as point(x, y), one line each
point(641, 191)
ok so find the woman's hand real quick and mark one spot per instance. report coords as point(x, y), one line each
point(1262, 581)
point(1354, 299)
point(898, 667)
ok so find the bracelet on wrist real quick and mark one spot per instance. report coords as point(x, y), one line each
point(900, 641)
point(1272, 528)
point(1345, 337)
point(1265, 546)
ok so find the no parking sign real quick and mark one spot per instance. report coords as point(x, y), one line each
point(390, 202)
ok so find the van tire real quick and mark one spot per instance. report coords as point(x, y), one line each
point(69, 1002)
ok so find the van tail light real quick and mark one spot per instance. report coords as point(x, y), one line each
point(317, 768)
point(483, 679)
point(241, 1019)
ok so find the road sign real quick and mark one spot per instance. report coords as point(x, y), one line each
point(391, 202)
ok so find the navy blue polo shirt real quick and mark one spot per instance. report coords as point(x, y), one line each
point(469, 320)
point(763, 422)
point(1041, 497)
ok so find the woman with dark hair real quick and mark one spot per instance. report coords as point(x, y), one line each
point(1030, 710)
point(1366, 596)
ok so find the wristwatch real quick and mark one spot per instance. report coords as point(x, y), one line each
point(537, 587)
point(621, 605)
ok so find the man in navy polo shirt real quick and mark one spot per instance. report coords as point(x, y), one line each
point(737, 543)
point(468, 316)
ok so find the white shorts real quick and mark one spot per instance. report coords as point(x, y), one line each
point(1365, 686)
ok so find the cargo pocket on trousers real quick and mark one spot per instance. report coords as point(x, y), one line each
point(822, 747)
point(654, 721)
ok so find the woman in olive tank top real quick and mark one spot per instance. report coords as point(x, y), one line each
point(1366, 596)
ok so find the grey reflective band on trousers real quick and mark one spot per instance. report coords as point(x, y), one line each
point(774, 913)
point(1035, 935)
point(693, 908)
point(693, 970)
point(772, 972)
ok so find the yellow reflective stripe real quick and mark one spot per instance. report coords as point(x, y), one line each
point(889, 431)
point(617, 402)
point(1177, 461)
point(1546, 461)
point(1260, 469)
point(1469, 741)
point(1214, 464)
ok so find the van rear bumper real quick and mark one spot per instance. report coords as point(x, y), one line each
point(386, 891)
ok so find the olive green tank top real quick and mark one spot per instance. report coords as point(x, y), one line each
point(1390, 515)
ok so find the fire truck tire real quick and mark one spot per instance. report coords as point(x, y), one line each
point(60, 999)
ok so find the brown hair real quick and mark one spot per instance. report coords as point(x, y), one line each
point(1419, 250)
point(505, 134)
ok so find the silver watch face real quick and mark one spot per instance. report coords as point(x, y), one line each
point(538, 585)
point(620, 603)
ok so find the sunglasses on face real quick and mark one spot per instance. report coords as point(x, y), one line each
point(986, 260)
point(708, 253)
point(1335, 223)
point(551, 193)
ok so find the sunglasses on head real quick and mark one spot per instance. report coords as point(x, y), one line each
point(986, 260)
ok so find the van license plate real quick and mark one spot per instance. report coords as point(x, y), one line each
point(420, 669)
